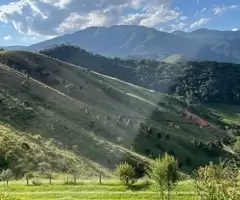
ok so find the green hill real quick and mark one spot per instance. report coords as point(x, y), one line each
point(206, 81)
point(97, 120)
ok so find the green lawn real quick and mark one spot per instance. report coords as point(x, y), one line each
point(92, 190)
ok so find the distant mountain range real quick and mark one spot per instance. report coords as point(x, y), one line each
point(136, 42)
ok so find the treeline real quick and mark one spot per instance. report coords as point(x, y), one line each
point(210, 82)
point(205, 81)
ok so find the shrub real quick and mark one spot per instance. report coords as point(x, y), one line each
point(167, 136)
point(164, 172)
point(159, 135)
point(140, 125)
point(129, 123)
point(126, 173)
point(150, 131)
point(92, 124)
point(218, 182)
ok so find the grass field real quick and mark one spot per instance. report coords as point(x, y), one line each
point(92, 190)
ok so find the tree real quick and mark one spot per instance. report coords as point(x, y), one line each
point(49, 176)
point(28, 176)
point(66, 168)
point(126, 173)
point(164, 172)
point(6, 175)
point(45, 169)
point(218, 181)
point(75, 172)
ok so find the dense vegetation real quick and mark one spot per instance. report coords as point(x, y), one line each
point(206, 81)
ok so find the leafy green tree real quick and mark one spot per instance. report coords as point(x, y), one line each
point(126, 173)
point(6, 175)
point(164, 173)
point(28, 176)
point(75, 172)
point(45, 169)
point(66, 168)
point(218, 182)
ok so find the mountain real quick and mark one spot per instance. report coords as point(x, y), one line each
point(68, 112)
point(139, 42)
point(208, 81)
point(16, 47)
point(124, 41)
point(212, 36)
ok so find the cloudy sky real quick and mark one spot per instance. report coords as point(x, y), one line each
point(23, 22)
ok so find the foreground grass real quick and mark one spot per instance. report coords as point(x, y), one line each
point(92, 190)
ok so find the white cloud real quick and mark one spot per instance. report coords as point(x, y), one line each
point(199, 23)
point(201, 11)
point(198, 1)
point(179, 26)
point(8, 37)
point(183, 18)
point(54, 17)
point(221, 9)
point(235, 29)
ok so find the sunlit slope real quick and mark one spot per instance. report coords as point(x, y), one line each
point(108, 119)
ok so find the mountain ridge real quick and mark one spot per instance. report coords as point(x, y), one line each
point(136, 41)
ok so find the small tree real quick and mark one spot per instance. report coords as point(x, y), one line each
point(45, 169)
point(126, 173)
point(6, 175)
point(28, 176)
point(164, 173)
point(75, 172)
point(49, 176)
point(218, 182)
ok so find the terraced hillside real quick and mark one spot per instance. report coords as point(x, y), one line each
point(98, 119)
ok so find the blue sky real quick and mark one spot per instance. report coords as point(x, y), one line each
point(25, 22)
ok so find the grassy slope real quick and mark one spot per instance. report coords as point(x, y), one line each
point(66, 117)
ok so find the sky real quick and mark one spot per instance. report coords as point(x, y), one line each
point(25, 22)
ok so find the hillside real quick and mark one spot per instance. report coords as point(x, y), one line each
point(100, 119)
point(206, 81)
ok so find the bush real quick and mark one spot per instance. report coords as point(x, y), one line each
point(167, 136)
point(218, 182)
point(126, 173)
point(164, 173)
point(92, 124)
